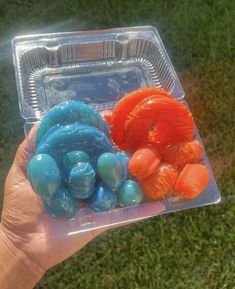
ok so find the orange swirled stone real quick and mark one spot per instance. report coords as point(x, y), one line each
point(183, 153)
point(161, 109)
point(160, 183)
point(125, 106)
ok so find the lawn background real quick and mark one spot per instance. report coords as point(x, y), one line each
point(192, 249)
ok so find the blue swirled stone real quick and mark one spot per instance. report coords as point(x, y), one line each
point(63, 205)
point(44, 175)
point(129, 194)
point(60, 140)
point(102, 200)
point(82, 180)
point(111, 170)
point(124, 158)
point(74, 157)
point(69, 112)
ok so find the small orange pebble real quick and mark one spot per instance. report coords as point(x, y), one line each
point(192, 181)
point(156, 109)
point(144, 161)
point(159, 184)
point(107, 115)
point(125, 106)
point(181, 154)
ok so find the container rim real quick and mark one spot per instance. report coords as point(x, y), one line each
point(83, 32)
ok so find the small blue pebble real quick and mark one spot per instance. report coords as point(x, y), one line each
point(102, 200)
point(82, 180)
point(111, 170)
point(74, 157)
point(129, 194)
point(44, 175)
point(63, 205)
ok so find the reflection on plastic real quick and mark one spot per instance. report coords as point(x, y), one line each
point(86, 220)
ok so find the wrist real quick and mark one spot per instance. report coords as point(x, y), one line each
point(17, 270)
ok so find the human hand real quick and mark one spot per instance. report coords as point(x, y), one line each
point(26, 252)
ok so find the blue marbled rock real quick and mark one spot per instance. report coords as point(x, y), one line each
point(124, 158)
point(62, 206)
point(82, 180)
point(74, 157)
point(102, 200)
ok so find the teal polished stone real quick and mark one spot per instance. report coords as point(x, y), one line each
point(110, 170)
point(130, 194)
point(82, 180)
point(44, 175)
point(74, 157)
point(62, 206)
point(102, 200)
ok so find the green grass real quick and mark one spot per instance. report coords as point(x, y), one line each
point(192, 249)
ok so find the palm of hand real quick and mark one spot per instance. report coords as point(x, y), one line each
point(20, 217)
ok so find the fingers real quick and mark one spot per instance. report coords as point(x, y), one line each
point(25, 150)
point(18, 171)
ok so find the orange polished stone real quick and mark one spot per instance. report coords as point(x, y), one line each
point(144, 161)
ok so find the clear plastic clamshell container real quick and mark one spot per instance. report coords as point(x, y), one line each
point(98, 68)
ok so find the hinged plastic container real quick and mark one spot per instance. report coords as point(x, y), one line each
point(98, 68)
